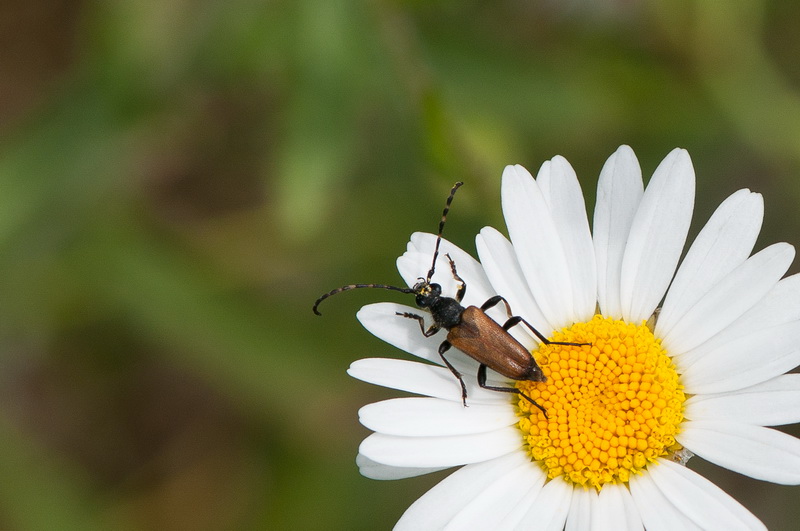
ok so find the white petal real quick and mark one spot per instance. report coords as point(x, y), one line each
point(372, 470)
point(657, 512)
point(420, 452)
point(423, 379)
point(780, 306)
point(773, 403)
point(504, 273)
point(516, 516)
point(708, 506)
point(413, 265)
point(761, 453)
point(382, 321)
point(549, 510)
point(619, 191)
point(439, 505)
point(580, 510)
point(498, 498)
point(730, 298)
point(725, 242)
point(416, 262)
point(428, 417)
point(615, 510)
point(657, 236)
point(543, 181)
point(537, 244)
point(568, 209)
point(747, 361)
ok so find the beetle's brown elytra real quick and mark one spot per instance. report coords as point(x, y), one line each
point(469, 329)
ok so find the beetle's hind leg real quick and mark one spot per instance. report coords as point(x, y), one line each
point(493, 301)
point(514, 320)
point(514, 390)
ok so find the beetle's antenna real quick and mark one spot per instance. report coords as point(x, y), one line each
point(441, 228)
point(356, 286)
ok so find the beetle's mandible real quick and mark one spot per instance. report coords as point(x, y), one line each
point(469, 329)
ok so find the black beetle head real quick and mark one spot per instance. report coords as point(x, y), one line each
point(427, 293)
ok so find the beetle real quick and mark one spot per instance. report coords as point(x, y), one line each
point(469, 329)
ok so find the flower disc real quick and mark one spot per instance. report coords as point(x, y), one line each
point(613, 407)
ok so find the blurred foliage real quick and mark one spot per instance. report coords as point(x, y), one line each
point(180, 179)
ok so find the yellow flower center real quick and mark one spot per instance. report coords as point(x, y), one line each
point(613, 407)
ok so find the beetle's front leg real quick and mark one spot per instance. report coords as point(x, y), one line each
point(462, 286)
point(421, 320)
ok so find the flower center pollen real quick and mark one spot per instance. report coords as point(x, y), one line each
point(613, 407)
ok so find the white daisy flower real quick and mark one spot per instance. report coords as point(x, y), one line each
point(624, 413)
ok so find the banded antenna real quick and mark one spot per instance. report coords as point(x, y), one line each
point(396, 288)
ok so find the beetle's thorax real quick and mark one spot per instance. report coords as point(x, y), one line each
point(445, 311)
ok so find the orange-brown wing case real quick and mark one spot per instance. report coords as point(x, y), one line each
point(480, 337)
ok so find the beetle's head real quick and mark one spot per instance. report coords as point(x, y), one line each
point(426, 293)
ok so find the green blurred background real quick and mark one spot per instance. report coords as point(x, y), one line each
point(180, 179)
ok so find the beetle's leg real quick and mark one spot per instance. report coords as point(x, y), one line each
point(444, 347)
point(482, 383)
point(462, 286)
point(513, 320)
point(517, 319)
point(425, 332)
point(493, 302)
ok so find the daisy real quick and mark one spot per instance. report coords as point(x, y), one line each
point(703, 374)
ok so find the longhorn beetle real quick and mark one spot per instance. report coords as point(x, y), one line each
point(469, 329)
